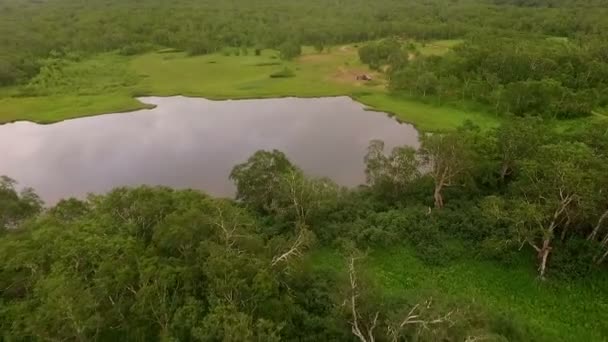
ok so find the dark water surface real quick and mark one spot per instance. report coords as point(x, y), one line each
point(194, 143)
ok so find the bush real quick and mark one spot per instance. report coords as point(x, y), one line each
point(500, 249)
point(463, 220)
point(290, 50)
point(573, 259)
point(8, 73)
point(410, 225)
point(135, 49)
point(284, 73)
point(434, 247)
point(201, 47)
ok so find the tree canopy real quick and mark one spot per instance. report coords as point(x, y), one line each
point(156, 263)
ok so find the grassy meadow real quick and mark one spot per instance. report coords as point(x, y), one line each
point(109, 83)
point(513, 290)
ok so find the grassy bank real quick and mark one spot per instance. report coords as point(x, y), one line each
point(49, 109)
point(108, 83)
point(424, 116)
point(514, 291)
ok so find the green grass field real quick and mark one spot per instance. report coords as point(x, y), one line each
point(514, 291)
point(108, 83)
point(426, 117)
point(438, 47)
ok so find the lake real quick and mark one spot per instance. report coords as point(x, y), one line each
point(194, 143)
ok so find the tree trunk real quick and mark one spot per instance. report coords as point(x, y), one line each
point(601, 260)
point(504, 171)
point(438, 196)
point(543, 256)
point(565, 229)
point(564, 232)
point(598, 226)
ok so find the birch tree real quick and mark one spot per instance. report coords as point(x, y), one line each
point(516, 140)
point(393, 173)
point(447, 158)
point(557, 183)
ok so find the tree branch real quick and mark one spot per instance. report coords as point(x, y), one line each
point(294, 251)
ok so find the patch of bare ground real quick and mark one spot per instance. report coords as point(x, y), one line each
point(348, 75)
point(316, 58)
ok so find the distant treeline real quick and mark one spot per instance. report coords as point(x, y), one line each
point(31, 31)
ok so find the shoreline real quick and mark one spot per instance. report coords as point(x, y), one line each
point(359, 98)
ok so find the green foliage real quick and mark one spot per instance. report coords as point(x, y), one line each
point(257, 179)
point(391, 175)
point(156, 263)
point(377, 54)
point(135, 49)
point(290, 50)
point(160, 264)
point(146, 263)
point(14, 206)
point(517, 76)
point(8, 73)
point(201, 46)
point(574, 259)
point(283, 73)
point(105, 74)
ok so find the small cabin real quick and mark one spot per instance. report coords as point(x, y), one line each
point(364, 77)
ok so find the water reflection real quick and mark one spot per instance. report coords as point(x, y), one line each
point(193, 143)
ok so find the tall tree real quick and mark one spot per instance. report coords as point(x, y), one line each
point(447, 158)
point(16, 206)
point(554, 187)
point(259, 179)
point(517, 139)
point(393, 173)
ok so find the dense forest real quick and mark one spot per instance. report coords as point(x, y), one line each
point(545, 58)
point(295, 258)
point(542, 77)
point(159, 264)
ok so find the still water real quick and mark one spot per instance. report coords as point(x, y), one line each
point(194, 143)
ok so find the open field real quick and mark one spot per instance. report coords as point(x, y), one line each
point(108, 83)
point(220, 77)
point(438, 47)
point(511, 290)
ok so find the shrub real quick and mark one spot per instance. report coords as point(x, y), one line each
point(201, 47)
point(135, 49)
point(284, 73)
point(226, 51)
point(573, 259)
point(290, 50)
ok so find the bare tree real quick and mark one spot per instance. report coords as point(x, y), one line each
point(367, 334)
point(364, 329)
point(415, 317)
point(296, 248)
